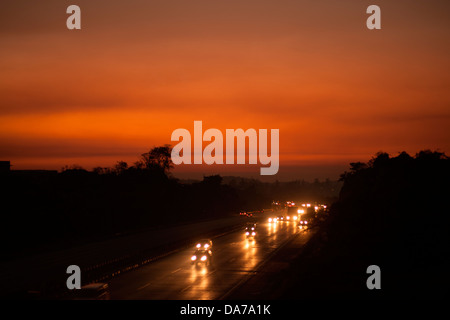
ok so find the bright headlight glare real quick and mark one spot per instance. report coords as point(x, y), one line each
point(198, 245)
point(295, 217)
point(253, 233)
point(203, 258)
point(270, 219)
point(193, 258)
point(247, 233)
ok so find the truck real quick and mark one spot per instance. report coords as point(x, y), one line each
point(292, 213)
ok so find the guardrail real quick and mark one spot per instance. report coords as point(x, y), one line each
point(108, 269)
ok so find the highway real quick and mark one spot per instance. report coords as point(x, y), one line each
point(235, 257)
point(49, 268)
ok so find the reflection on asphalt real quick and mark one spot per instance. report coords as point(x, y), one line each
point(174, 277)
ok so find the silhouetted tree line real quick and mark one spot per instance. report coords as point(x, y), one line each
point(45, 211)
point(392, 212)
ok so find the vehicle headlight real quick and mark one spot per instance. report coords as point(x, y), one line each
point(270, 219)
point(288, 217)
point(247, 233)
point(253, 233)
point(198, 245)
point(203, 258)
point(193, 258)
point(301, 222)
point(306, 222)
point(206, 246)
point(295, 217)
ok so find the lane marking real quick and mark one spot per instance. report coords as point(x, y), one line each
point(211, 272)
point(144, 286)
point(187, 288)
point(176, 270)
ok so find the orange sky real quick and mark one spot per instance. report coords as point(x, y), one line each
point(138, 70)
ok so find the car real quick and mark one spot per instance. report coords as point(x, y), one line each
point(303, 223)
point(306, 219)
point(202, 256)
point(250, 230)
point(204, 244)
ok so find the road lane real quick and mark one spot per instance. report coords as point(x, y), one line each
point(45, 272)
point(174, 278)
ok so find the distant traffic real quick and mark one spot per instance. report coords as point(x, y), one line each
point(304, 214)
